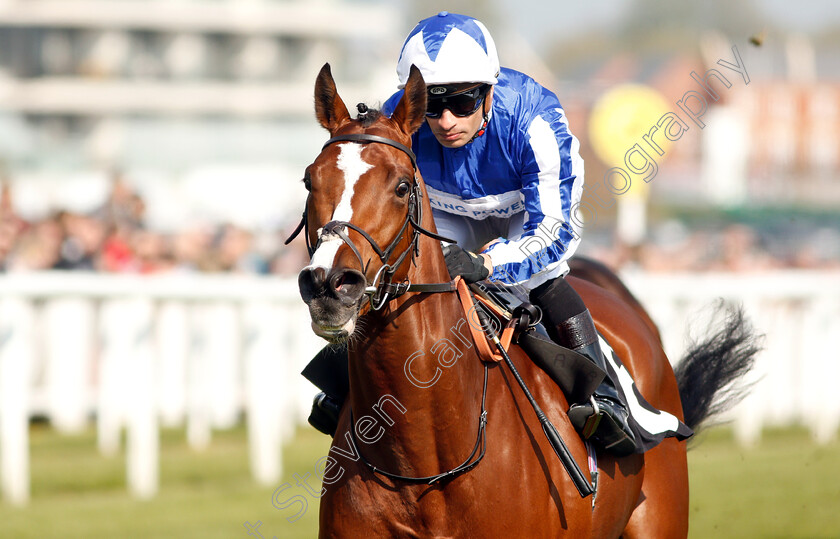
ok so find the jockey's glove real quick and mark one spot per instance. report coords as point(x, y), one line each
point(468, 265)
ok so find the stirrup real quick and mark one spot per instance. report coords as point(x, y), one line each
point(600, 422)
point(590, 426)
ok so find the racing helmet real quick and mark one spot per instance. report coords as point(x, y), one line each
point(449, 48)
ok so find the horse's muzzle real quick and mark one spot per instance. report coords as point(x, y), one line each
point(333, 299)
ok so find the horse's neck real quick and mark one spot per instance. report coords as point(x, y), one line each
point(407, 330)
point(417, 360)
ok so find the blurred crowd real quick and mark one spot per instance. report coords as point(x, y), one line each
point(114, 238)
point(674, 247)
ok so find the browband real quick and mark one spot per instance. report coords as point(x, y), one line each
point(363, 138)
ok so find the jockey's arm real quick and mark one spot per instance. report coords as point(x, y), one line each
point(552, 184)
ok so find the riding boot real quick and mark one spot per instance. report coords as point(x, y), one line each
point(324, 415)
point(328, 371)
point(569, 323)
point(604, 417)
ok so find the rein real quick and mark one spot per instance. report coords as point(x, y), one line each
point(382, 289)
point(487, 358)
point(467, 465)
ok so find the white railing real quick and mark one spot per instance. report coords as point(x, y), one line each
point(140, 353)
point(144, 352)
point(798, 312)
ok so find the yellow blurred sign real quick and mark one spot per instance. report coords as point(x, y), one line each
point(619, 120)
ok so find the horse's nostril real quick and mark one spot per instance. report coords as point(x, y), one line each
point(312, 283)
point(348, 285)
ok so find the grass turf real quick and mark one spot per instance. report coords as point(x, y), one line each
point(787, 487)
point(75, 492)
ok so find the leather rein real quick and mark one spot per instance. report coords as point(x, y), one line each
point(383, 288)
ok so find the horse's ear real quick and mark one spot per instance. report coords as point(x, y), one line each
point(329, 108)
point(411, 110)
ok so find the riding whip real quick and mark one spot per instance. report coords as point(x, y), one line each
point(583, 486)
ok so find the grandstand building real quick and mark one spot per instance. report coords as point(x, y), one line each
point(203, 92)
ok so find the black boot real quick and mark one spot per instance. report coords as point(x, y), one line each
point(324, 415)
point(328, 371)
point(568, 322)
point(604, 417)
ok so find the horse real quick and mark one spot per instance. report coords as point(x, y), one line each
point(432, 440)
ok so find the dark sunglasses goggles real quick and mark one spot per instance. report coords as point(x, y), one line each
point(461, 105)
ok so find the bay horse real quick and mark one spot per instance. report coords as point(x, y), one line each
point(420, 398)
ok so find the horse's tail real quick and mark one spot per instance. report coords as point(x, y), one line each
point(708, 376)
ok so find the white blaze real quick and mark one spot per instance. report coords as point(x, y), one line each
point(350, 162)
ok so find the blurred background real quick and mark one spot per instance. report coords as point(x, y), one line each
point(151, 153)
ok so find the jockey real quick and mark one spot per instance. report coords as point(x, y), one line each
point(502, 167)
point(503, 174)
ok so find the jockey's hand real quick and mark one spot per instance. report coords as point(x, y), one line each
point(470, 266)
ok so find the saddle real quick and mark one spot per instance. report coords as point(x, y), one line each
point(576, 375)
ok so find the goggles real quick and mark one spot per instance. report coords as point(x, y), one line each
point(461, 105)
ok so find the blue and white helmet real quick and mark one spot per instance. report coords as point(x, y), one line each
point(450, 48)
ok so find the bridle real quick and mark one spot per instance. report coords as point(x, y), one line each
point(383, 288)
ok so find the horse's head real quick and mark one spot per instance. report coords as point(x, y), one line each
point(362, 208)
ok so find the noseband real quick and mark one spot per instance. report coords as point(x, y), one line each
point(382, 289)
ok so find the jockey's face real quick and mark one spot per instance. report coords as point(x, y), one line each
point(454, 132)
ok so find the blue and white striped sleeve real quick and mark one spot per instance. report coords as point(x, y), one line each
point(552, 185)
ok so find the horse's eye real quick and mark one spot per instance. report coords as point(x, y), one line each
point(307, 182)
point(402, 188)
